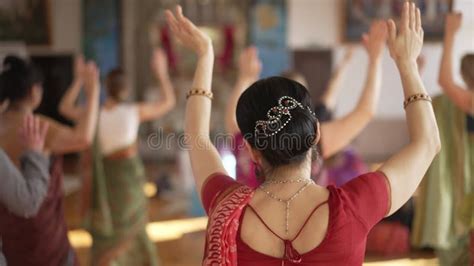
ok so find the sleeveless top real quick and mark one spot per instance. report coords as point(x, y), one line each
point(41, 240)
point(354, 209)
point(118, 128)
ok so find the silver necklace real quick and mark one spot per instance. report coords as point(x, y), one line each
point(288, 181)
point(287, 202)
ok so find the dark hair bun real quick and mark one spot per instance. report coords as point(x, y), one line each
point(15, 64)
point(17, 78)
point(291, 144)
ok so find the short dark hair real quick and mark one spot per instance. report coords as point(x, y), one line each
point(116, 83)
point(17, 79)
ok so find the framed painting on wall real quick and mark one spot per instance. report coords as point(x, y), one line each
point(360, 13)
point(27, 21)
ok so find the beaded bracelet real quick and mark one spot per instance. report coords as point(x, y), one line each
point(416, 97)
point(200, 92)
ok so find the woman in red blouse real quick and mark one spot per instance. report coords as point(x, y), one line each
point(289, 220)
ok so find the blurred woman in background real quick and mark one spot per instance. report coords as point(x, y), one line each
point(444, 210)
point(42, 239)
point(289, 220)
point(119, 207)
point(22, 192)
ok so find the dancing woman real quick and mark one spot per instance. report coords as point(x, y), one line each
point(22, 193)
point(444, 215)
point(119, 210)
point(289, 220)
point(42, 239)
point(462, 97)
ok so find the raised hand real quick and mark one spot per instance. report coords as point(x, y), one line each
point(453, 23)
point(33, 133)
point(159, 62)
point(187, 33)
point(374, 41)
point(91, 78)
point(407, 43)
point(349, 53)
point(79, 67)
point(250, 65)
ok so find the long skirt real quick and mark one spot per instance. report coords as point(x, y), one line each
point(119, 216)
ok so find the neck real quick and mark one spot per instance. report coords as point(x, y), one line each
point(290, 172)
point(19, 108)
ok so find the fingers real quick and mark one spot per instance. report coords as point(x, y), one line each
point(365, 39)
point(405, 19)
point(172, 22)
point(418, 26)
point(412, 16)
point(392, 30)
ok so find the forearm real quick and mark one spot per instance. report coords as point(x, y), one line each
point(85, 127)
point(198, 108)
point(67, 104)
point(169, 98)
point(420, 116)
point(446, 70)
point(330, 95)
point(23, 194)
point(368, 100)
point(241, 85)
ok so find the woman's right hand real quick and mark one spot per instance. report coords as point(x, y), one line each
point(250, 65)
point(79, 68)
point(453, 23)
point(33, 133)
point(406, 45)
point(374, 41)
point(91, 78)
point(187, 33)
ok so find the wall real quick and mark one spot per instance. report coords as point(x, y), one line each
point(66, 28)
point(318, 23)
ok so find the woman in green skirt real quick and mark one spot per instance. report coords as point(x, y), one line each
point(118, 211)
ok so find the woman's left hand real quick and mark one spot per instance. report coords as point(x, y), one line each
point(374, 41)
point(187, 33)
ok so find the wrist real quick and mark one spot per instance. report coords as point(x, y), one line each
point(207, 52)
point(375, 59)
point(407, 64)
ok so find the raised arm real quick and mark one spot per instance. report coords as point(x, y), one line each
point(337, 134)
point(67, 106)
point(460, 96)
point(205, 159)
point(23, 192)
point(405, 169)
point(154, 110)
point(330, 94)
point(249, 72)
point(62, 139)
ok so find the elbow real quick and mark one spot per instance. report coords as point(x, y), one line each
point(436, 144)
point(84, 142)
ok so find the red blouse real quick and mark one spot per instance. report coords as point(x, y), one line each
point(354, 209)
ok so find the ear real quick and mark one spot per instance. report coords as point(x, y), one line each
point(255, 155)
point(318, 133)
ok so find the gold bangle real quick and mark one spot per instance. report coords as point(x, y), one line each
point(200, 92)
point(415, 98)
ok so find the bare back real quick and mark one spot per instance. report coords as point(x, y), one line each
point(313, 226)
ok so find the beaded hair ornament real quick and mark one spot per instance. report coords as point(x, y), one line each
point(278, 117)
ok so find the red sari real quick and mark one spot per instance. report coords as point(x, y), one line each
point(354, 209)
